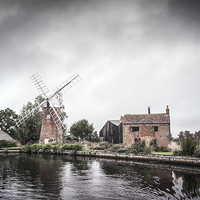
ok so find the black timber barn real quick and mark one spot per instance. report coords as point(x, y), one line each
point(112, 132)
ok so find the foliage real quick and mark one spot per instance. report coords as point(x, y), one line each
point(139, 147)
point(105, 144)
point(8, 120)
point(82, 129)
point(177, 152)
point(161, 149)
point(35, 148)
point(26, 149)
point(56, 148)
point(6, 143)
point(47, 147)
point(197, 152)
point(30, 129)
point(188, 142)
point(76, 147)
point(117, 148)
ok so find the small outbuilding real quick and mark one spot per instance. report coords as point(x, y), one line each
point(112, 132)
point(5, 136)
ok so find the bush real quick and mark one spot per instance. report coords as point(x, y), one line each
point(75, 147)
point(35, 148)
point(188, 143)
point(177, 152)
point(26, 149)
point(6, 143)
point(197, 152)
point(105, 144)
point(138, 147)
point(115, 148)
point(56, 148)
point(161, 149)
point(47, 147)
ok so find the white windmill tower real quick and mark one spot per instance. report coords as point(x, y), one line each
point(51, 129)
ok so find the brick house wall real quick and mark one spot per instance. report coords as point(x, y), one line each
point(155, 126)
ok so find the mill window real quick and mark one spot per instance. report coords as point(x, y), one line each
point(154, 128)
point(134, 128)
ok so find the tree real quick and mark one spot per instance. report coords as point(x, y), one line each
point(30, 129)
point(188, 141)
point(8, 122)
point(84, 130)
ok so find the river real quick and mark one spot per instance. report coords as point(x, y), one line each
point(24, 176)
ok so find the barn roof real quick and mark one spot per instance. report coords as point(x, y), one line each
point(116, 122)
point(147, 119)
point(4, 136)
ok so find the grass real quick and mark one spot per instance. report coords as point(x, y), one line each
point(162, 153)
point(11, 148)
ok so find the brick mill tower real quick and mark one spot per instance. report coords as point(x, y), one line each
point(51, 130)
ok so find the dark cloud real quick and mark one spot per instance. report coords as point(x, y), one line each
point(130, 55)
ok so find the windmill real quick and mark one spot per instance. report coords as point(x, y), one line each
point(51, 130)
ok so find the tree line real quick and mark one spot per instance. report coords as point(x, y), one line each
point(30, 129)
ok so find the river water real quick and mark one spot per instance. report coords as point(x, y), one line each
point(24, 176)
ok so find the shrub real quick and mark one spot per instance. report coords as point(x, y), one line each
point(99, 148)
point(26, 149)
point(139, 147)
point(75, 147)
point(197, 152)
point(47, 147)
point(56, 148)
point(188, 142)
point(65, 147)
point(161, 149)
point(115, 148)
point(35, 148)
point(106, 144)
point(6, 143)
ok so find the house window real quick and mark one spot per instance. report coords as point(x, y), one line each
point(154, 128)
point(134, 128)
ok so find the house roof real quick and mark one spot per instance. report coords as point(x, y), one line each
point(4, 136)
point(147, 119)
point(116, 122)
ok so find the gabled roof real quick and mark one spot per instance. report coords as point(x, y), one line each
point(147, 119)
point(4, 136)
point(116, 122)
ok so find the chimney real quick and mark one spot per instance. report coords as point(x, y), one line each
point(167, 110)
point(149, 110)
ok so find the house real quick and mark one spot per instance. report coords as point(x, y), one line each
point(140, 126)
point(112, 131)
point(5, 136)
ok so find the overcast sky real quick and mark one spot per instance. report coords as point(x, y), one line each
point(129, 54)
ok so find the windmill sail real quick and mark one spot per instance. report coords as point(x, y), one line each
point(40, 85)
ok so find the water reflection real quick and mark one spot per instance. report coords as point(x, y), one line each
point(35, 176)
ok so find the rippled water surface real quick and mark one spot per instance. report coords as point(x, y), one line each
point(25, 176)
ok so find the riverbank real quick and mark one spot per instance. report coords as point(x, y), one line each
point(152, 158)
